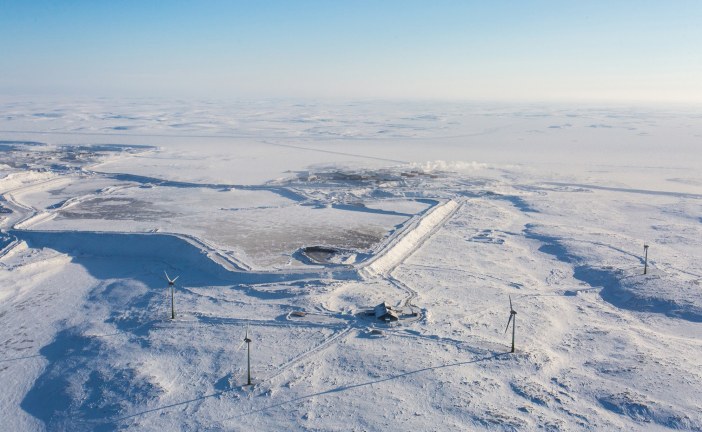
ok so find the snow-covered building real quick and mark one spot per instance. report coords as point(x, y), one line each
point(385, 312)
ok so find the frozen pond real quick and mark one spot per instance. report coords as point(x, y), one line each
point(258, 227)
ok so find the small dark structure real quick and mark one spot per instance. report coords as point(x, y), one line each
point(385, 312)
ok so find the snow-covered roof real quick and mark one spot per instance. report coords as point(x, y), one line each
point(382, 309)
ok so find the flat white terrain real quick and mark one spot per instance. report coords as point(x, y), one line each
point(292, 220)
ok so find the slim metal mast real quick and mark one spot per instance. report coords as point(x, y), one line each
point(512, 319)
point(645, 258)
point(514, 326)
point(171, 285)
point(248, 355)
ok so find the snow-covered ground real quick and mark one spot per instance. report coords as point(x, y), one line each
point(294, 219)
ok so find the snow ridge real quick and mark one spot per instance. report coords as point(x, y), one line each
point(396, 252)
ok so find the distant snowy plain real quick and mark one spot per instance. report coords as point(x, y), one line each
point(293, 219)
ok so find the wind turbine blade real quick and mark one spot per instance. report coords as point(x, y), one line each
point(240, 346)
point(167, 278)
point(510, 304)
point(176, 278)
point(508, 321)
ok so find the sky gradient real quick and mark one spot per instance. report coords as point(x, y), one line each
point(606, 51)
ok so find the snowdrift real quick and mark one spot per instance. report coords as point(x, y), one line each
point(657, 292)
point(397, 251)
point(172, 251)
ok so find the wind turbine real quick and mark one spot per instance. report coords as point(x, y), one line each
point(645, 258)
point(247, 340)
point(512, 319)
point(171, 285)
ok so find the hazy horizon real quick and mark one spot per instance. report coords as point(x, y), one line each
point(544, 51)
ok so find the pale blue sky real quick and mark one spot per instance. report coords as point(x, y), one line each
point(541, 50)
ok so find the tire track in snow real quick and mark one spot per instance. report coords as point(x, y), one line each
point(198, 401)
point(336, 337)
point(630, 190)
point(351, 386)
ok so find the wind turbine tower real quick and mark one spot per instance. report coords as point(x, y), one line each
point(645, 258)
point(171, 285)
point(512, 319)
point(248, 355)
